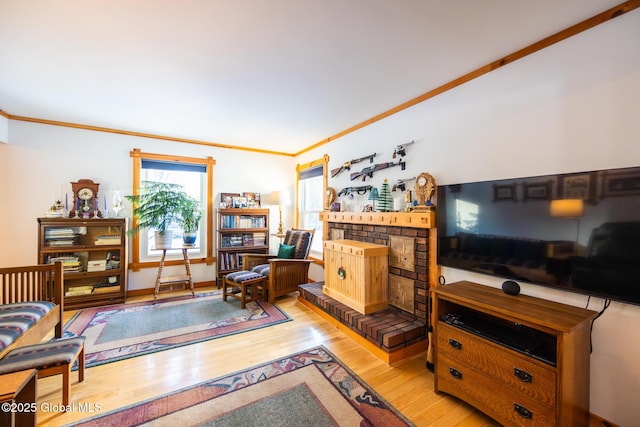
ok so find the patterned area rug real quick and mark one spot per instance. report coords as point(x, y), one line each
point(311, 388)
point(128, 330)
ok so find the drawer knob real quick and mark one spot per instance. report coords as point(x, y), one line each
point(455, 373)
point(455, 344)
point(522, 411)
point(523, 376)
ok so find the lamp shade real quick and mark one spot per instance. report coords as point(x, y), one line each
point(373, 194)
point(568, 208)
point(282, 198)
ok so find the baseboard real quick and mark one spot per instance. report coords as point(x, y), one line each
point(149, 291)
point(387, 357)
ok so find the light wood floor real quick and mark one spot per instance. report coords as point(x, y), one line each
point(407, 385)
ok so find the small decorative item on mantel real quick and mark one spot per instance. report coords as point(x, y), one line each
point(57, 209)
point(373, 196)
point(424, 189)
point(386, 201)
point(407, 201)
point(117, 203)
point(331, 197)
point(85, 197)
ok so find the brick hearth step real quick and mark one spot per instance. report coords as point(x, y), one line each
point(390, 330)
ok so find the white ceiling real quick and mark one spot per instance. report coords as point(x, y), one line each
point(278, 75)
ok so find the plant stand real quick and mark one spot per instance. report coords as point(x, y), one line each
point(171, 281)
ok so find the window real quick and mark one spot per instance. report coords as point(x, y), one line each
point(312, 181)
point(194, 175)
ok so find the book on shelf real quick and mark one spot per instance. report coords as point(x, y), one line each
point(59, 232)
point(106, 289)
point(243, 221)
point(112, 265)
point(109, 239)
point(61, 242)
point(78, 290)
point(259, 238)
point(69, 263)
point(60, 237)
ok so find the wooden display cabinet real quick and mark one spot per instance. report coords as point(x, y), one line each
point(357, 274)
point(239, 231)
point(94, 256)
point(519, 359)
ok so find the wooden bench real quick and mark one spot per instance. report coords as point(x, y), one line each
point(50, 358)
point(43, 282)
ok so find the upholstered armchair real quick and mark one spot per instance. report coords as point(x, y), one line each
point(285, 271)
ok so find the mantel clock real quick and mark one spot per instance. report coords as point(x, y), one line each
point(85, 199)
point(424, 188)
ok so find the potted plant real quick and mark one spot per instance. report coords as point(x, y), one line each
point(190, 215)
point(157, 206)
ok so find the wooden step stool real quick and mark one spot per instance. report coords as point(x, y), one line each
point(50, 358)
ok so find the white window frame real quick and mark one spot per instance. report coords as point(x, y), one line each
point(303, 208)
point(140, 249)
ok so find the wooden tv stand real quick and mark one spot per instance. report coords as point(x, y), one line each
point(543, 382)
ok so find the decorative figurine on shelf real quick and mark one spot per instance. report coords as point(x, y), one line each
point(57, 208)
point(424, 188)
point(117, 203)
point(386, 201)
point(85, 197)
point(407, 201)
point(331, 197)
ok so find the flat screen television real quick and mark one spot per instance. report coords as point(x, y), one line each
point(578, 232)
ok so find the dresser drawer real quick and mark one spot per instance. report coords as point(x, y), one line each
point(480, 390)
point(499, 363)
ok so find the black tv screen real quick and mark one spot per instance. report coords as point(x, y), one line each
point(578, 232)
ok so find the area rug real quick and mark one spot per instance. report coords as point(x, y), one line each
point(311, 388)
point(121, 331)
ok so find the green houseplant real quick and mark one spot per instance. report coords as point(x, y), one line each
point(157, 206)
point(190, 215)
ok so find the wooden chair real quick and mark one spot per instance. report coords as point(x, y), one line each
point(283, 275)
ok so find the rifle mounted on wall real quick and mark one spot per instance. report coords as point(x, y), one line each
point(358, 190)
point(347, 165)
point(401, 149)
point(401, 184)
point(368, 172)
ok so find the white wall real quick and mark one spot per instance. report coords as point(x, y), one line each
point(572, 107)
point(43, 158)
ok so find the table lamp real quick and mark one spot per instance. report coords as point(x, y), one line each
point(373, 196)
point(280, 198)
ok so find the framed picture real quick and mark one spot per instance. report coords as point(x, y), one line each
point(536, 190)
point(578, 186)
point(251, 199)
point(624, 183)
point(226, 199)
point(239, 202)
point(504, 192)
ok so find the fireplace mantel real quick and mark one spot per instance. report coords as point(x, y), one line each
point(392, 219)
point(380, 331)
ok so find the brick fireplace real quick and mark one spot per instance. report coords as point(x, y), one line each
point(399, 331)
